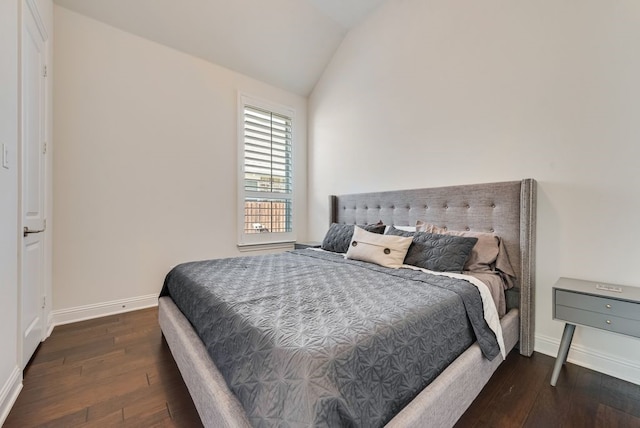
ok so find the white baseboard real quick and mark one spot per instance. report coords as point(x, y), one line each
point(9, 393)
point(81, 313)
point(50, 325)
point(595, 360)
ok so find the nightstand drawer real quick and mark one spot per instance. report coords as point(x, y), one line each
point(598, 320)
point(598, 304)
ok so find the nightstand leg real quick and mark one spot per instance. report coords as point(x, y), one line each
point(563, 351)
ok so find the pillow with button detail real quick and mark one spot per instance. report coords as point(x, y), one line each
point(339, 236)
point(483, 255)
point(384, 250)
point(440, 253)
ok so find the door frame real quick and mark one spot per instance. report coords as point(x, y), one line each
point(31, 7)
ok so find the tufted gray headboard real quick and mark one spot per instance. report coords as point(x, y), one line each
point(507, 209)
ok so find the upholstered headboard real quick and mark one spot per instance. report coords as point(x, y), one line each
point(507, 209)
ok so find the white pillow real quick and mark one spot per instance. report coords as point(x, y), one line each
point(384, 250)
point(406, 228)
point(403, 228)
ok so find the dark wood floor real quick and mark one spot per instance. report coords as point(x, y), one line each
point(118, 371)
point(115, 370)
point(519, 395)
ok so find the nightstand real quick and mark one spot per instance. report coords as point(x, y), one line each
point(303, 245)
point(610, 307)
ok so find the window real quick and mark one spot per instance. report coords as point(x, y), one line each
point(266, 177)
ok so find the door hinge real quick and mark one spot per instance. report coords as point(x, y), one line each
point(44, 224)
point(44, 302)
point(44, 148)
point(44, 71)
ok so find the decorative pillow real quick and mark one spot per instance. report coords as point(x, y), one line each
point(483, 255)
point(440, 253)
point(384, 250)
point(339, 236)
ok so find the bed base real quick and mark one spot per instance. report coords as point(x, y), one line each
point(440, 404)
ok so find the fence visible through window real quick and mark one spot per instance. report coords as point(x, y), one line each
point(262, 216)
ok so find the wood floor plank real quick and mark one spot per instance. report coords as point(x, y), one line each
point(55, 386)
point(489, 393)
point(585, 398)
point(69, 420)
point(83, 337)
point(51, 374)
point(74, 328)
point(35, 369)
point(78, 352)
point(550, 407)
point(82, 395)
point(133, 337)
point(512, 406)
point(118, 402)
point(120, 364)
point(621, 395)
point(146, 409)
point(110, 419)
point(608, 417)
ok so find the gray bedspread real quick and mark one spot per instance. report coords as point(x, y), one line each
point(307, 338)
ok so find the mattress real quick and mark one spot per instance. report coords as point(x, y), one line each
point(305, 338)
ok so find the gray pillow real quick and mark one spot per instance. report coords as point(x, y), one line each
point(440, 253)
point(338, 236)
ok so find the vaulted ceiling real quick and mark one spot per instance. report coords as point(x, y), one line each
point(286, 43)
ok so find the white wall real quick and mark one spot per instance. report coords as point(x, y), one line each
point(145, 161)
point(440, 92)
point(10, 375)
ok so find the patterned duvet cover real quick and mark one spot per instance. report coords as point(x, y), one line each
point(308, 338)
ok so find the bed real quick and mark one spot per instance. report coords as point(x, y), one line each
point(506, 209)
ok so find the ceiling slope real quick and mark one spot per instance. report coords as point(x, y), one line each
point(285, 43)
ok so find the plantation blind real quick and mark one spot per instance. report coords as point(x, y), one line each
point(268, 171)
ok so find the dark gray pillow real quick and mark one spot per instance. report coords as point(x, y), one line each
point(338, 236)
point(440, 253)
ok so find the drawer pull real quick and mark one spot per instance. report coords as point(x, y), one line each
point(608, 306)
point(608, 321)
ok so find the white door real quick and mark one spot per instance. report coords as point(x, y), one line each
point(33, 200)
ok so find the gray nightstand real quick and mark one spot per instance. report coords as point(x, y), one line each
point(610, 307)
point(303, 245)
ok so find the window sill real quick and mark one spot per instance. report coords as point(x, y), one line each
point(283, 245)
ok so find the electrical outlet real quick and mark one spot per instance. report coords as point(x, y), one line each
point(5, 156)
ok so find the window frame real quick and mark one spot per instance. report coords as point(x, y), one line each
point(269, 239)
